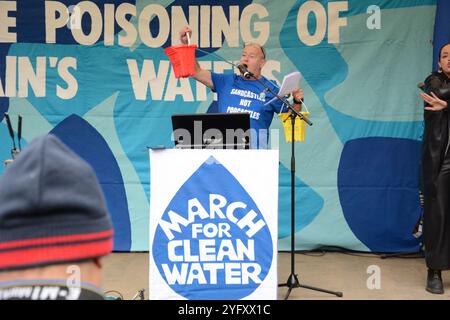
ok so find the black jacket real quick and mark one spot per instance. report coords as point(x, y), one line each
point(435, 138)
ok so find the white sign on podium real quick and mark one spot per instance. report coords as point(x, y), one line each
point(213, 224)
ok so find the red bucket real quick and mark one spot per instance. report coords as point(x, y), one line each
point(182, 58)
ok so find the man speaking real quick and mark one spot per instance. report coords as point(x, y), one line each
point(243, 93)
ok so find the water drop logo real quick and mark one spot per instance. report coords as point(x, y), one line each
point(212, 241)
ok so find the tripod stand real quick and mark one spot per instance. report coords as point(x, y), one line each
point(292, 282)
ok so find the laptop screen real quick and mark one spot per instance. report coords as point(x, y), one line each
point(211, 130)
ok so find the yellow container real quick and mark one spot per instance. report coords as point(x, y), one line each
point(300, 126)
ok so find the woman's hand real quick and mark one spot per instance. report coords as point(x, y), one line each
point(434, 103)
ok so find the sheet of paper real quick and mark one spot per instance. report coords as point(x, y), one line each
point(291, 82)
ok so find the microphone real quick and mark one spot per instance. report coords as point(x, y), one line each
point(19, 131)
point(243, 70)
point(14, 150)
point(10, 129)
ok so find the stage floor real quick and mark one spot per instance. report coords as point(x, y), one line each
point(401, 278)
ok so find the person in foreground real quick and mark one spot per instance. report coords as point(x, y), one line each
point(435, 172)
point(54, 226)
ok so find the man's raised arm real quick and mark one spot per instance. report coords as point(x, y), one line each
point(201, 75)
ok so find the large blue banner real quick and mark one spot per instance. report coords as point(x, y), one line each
point(94, 73)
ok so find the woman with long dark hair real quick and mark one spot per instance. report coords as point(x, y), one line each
point(435, 171)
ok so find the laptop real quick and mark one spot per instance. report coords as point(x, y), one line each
point(211, 131)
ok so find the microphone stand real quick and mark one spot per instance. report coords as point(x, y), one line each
point(292, 281)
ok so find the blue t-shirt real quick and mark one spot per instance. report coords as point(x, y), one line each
point(235, 94)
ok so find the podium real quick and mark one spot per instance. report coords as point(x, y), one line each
point(213, 224)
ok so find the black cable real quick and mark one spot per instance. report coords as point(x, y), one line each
point(19, 131)
point(322, 251)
